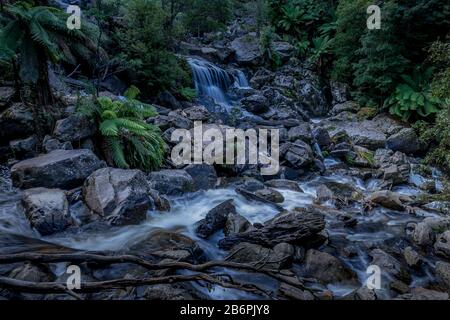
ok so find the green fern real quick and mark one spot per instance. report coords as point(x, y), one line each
point(130, 141)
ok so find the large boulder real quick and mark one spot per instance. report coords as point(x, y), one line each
point(326, 268)
point(350, 106)
point(74, 128)
point(443, 271)
point(171, 182)
point(215, 219)
point(261, 257)
point(442, 245)
point(47, 210)
point(340, 92)
point(298, 154)
point(256, 104)
point(24, 148)
point(246, 49)
point(425, 232)
point(389, 266)
point(204, 176)
point(394, 167)
point(16, 122)
point(236, 224)
point(168, 245)
point(296, 227)
point(312, 97)
point(120, 196)
point(302, 132)
point(406, 141)
point(65, 169)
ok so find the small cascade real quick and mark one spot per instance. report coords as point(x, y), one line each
point(214, 82)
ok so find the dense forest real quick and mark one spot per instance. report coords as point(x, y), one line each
point(86, 119)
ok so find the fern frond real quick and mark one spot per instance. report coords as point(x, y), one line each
point(117, 154)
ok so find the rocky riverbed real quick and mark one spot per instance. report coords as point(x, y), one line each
point(351, 193)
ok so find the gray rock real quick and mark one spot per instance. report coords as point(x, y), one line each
point(74, 128)
point(327, 269)
point(270, 195)
point(406, 141)
point(296, 226)
point(284, 184)
point(204, 176)
point(312, 97)
point(166, 99)
point(298, 154)
point(168, 245)
point(261, 78)
point(394, 167)
point(389, 199)
point(256, 104)
point(350, 106)
point(425, 232)
point(340, 92)
point(197, 113)
point(389, 265)
point(172, 120)
point(215, 219)
point(50, 144)
point(172, 182)
point(47, 210)
point(16, 122)
point(442, 245)
point(443, 271)
point(418, 294)
point(24, 148)
point(321, 136)
point(246, 49)
point(302, 132)
point(412, 258)
point(284, 49)
point(120, 196)
point(259, 256)
point(236, 224)
point(57, 169)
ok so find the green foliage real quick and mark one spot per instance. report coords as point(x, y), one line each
point(201, 16)
point(189, 94)
point(322, 46)
point(129, 141)
point(268, 36)
point(144, 44)
point(37, 34)
point(413, 97)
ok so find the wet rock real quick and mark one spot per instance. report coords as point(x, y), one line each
point(340, 92)
point(439, 206)
point(323, 194)
point(298, 154)
point(172, 120)
point(161, 203)
point(251, 185)
point(256, 104)
point(168, 292)
point(50, 144)
point(270, 195)
point(292, 293)
point(389, 265)
point(412, 258)
point(57, 169)
point(197, 113)
point(284, 49)
point(47, 210)
point(326, 268)
point(261, 257)
point(236, 224)
point(246, 49)
point(425, 232)
point(16, 122)
point(295, 227)
point(74, 128)
point(312, 96)
point(442, 245)
point(350, 106)
point(284, 184)
point(204, 176)
point(168, 245)
point(389, 199)
point(261, 77)
point(394, 167)
point(32, 273)
point(215, 219)
point(406, 141)
point(443, 271)
point(24, 148)
point(171, 182)
point(120, 196)
point(301, 132)
point(321, 136)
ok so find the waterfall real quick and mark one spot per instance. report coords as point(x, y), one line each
point(212, 81)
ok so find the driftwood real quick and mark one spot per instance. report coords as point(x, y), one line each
point(292, 227)
point(83, 257)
